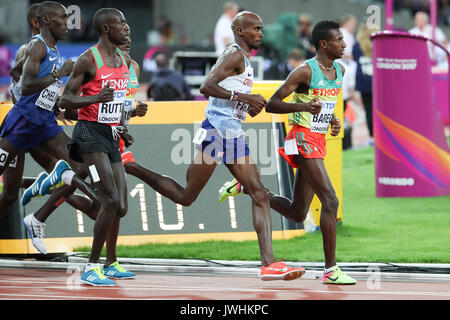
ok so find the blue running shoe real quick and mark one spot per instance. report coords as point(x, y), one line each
point(116, 271)
point(95, 277)
point(54, 178)
point(33, 190)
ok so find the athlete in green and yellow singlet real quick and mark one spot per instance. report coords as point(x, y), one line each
point(315, 86)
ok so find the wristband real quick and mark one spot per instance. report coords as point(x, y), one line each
point(235, 95)
point(231, 95)
point(56, 74)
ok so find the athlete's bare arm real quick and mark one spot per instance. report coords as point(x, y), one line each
point(30, 83)
point(231, 63)
point(298, 80)
point(19, 61)
point(136, 68)
point(83, 71)
point(141, 108)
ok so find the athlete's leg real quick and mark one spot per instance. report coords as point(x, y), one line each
point(247, 174)
point(44, 159)
point(111, 240)
point(85, 205)
point(315, 174)
point(197, 176)
point(106, 181)
point(57, 147)
point(297, 209)
point(7, 153)
point(12, 182)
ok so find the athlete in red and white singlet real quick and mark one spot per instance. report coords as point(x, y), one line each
point(117, 79)
point(102, 75)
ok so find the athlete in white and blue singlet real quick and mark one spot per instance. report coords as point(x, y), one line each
point(228, 87)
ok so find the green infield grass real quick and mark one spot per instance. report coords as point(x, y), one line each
point(373, 229)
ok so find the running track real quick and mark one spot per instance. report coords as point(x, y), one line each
point(43, 284)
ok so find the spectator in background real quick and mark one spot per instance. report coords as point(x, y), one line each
point(304, 36)
point(5, 58)
point(167, 84)
point(281, 70)
point(444, 12)
point(349, 94)
point(423, 28)
point(223, 35)
point(160, 40)
point(166, 31)
point(362, 53)
point(348, 26)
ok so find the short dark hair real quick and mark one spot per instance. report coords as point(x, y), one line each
point(32, 12)
point(45, 7)
point(161, 59)
point(321, 31)
point(101, 17)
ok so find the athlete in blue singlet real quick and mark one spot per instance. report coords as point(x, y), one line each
point(31, 122)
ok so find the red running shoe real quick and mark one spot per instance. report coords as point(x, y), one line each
point(280, 271)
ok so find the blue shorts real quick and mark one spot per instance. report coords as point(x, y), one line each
point(227, 150)
point(24, 135)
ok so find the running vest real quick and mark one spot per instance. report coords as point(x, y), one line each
point(108, 113)
point(226, 115)
point(37, 108)
point(16, 88)
point(327, 91)
point(133, 86)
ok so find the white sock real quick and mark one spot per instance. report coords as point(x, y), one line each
point(91, 265)
point(36, 221)
point(67, 177)
point(329, 269)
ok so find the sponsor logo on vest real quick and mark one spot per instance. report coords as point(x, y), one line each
point(326, 92)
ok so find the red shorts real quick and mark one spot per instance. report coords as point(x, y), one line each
point(121, 145)
point(126, 156)
point(310, 145)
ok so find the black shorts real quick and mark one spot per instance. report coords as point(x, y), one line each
point(89, 137)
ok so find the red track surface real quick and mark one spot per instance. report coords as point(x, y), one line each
point(58, 284)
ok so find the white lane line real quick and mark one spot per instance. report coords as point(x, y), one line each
point(74, 287)
point(43, 297)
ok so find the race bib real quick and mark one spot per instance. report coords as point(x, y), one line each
point(290, 147)
point(200, 136)
point(111, 112)
point(128, 107)
point(13, 163)
point(240, 111)
point(320, 122)
point(47, 98)
point(3, 156)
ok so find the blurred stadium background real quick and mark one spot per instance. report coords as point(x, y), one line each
point(188, 27)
